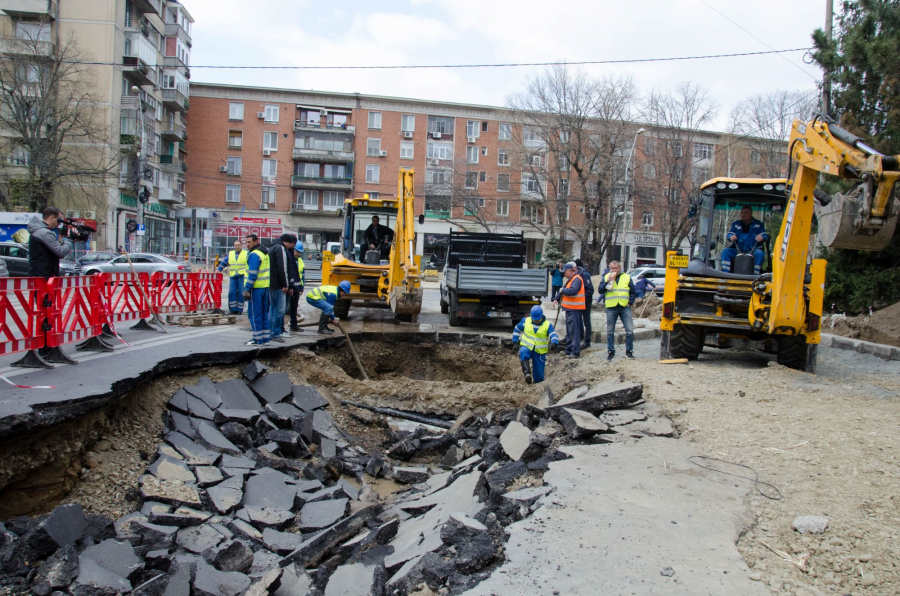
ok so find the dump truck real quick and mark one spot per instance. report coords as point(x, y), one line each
point(779, 308)
point(394, 282)
point(485, 278)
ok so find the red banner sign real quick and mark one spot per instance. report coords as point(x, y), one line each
point(258, 220)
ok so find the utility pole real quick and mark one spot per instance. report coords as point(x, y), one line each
point(139, 189)
point(826, 79)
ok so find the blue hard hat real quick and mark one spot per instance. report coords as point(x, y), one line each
point(344, 287)
point(299, 246)
point(537, 313)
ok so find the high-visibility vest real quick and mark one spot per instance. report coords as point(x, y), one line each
point(262, 276)
point(300, 268)
point(321, 292)
point(237, 264)
point(538, 341)
point(618, 296)
point(575, 302)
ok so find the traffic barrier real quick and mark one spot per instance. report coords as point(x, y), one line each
point(172, 292)
point(124, 296)
point(208, 288)
point(21, 310)
point(74, 310)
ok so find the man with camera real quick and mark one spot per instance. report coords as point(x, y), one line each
point(44, 248)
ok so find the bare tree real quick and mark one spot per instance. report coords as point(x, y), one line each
point(675, 162)
point(56, 139)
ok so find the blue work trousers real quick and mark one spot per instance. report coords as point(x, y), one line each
point(728, 256)
point(322, 305)
point(236, 294)
point(574, 326)
point(258, 314)
point(277, 301)
point(613, 313)
point(538, 362)
point(586, 318)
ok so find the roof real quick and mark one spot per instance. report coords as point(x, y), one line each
point(714, 181)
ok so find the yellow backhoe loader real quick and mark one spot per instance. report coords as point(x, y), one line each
point(392, 281)
point(779, 307)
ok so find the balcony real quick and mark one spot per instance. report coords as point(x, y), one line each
point(174, 132)
point(322, 183)
point(324, 156)
point(174, 100)
point(174, 62)
point(149, 6)
point(29, 9)
point(323, 127)
point(25, 47)
point(176, 30)
point(137, 70)
point(170, 195)
point(170, 163)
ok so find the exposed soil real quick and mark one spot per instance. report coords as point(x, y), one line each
point(883, 326)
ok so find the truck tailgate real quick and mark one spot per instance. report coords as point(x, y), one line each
point(499, 280)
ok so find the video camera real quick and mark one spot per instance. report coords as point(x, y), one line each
point(77, 232)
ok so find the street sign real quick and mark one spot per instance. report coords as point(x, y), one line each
point(131, 226)
point(141, 230)
point(207, 237)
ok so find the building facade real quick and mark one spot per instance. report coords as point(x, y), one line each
point(139, 91)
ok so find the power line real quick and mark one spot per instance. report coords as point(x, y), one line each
point(455, 66)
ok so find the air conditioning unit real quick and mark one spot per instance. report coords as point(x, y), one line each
point(436, 135)
point(90, 215)
point(646, 226)
point(382, 153)
point(264, 206)
point(260, 114)
point(267, 152)
point(70, 214)
point(472, 139)
point(223, 168)
point(434, 162)
point(407, 134)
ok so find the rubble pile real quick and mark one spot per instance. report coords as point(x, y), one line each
point(256, 490)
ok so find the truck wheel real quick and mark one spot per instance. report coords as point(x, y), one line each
point(686, 341)
point(454, 311)
point(794, 352)
point(445, 308)
point(342, 308)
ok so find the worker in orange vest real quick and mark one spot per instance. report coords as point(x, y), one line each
point(571, 298)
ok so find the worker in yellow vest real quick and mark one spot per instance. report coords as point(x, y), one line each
point(256, 291)
point(617, 292)
point(298, 286)
point(535, 336)
point(324, 298)
point(236, 262)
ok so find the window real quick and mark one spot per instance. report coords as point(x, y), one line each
point(268, 195)
point(373, 194)
point(372, 173)
point(373, 147)
point(307, 170)
point(471, 154)
point(471, 180)
point(649, 146)
point(236, 110)
point(563, 188)
point(700, 175)
point(335, 170)
point(647, 220)
point(532, 213)
point(272, 113)
point(482, 176)
point(235, 139)
point(270, 141)
point(438, 177)
point(33, 31)
point(562, 163)
point(754, 157)
point(677, 149)
point(232, 193)
point(484, 127)
point(473, 205)
point(503, 182)
point(20, 156)
point(440, 150)
point(502, 157)
point(564, 136)
point(375, 120)
point(473, 128)
point(269, 168)
point(506, 132)
point(406, 149)
point(702, 151)
point(649, 171)
point(408, 123)
point(537, 160)
point(503, 207)
point(530, 183)
point(234, 166)
point(307, 199)
point(649, 253)
point(440, 125)
point(332, 198)
point(531, 136)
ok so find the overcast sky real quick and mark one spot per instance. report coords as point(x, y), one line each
point(392, 32)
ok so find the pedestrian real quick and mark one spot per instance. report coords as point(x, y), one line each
point(120, 250)
point(236, 261)
point(640, 286)
point(324, 298)
point(298, 286)
point(256, 291)
point(44, 247)
point(556, 280)
point(535, 335)
point(618, 293)
point(585, 276)
point(571, 298)
point(283, 272)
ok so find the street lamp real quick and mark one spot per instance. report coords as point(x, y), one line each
point(640, 131)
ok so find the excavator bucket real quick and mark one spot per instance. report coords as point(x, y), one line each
point(842, 223)
point(406, 303)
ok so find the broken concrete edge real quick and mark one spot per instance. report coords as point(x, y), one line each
point(839, 342)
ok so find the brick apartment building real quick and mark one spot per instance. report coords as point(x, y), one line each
point(267, 160)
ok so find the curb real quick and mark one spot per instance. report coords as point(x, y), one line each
point(639, 334)
point(839, 342)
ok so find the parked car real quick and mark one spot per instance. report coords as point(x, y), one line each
point(4, 272)
point(654, 273)
point(97, 257)
point(15, 256)
point(143, 263)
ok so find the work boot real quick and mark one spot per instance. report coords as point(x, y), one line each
point(629, 354)
point(610, 356)
point(585, 345)
point(323, 325)
point(526, 369)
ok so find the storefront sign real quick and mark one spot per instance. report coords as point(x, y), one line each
point(238, 231)
point(645, 239)
point(258, 220)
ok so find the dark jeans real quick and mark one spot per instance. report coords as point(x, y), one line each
point(586, 315)
point(295, 302)
point(574, 325)
point(624, 313)
point(554, 290)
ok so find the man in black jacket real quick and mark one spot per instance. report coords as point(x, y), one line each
point(44, 248)
point(282, 274)
point(378, 237)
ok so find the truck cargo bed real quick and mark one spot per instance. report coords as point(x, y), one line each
point(485, 281)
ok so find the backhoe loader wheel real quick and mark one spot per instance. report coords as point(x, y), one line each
point(686, 341)
point(342, 308)
point(794, 352)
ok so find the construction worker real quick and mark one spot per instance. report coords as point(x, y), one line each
point(298, 286)
point(324, 298)
point(747, 235)
point(256, 291)
point(585, 276)
point(618, 293)
point(236, 261)
point(535, 335)
point(571, 298)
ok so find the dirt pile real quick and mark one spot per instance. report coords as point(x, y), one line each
point(648, 307)
point(882, 327)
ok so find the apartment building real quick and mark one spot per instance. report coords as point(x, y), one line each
point(140, 90)
point(267, 160)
